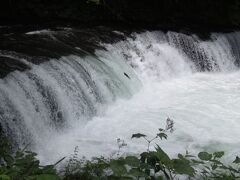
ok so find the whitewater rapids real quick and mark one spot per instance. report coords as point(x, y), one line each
point(204, 107)
point(92, 103)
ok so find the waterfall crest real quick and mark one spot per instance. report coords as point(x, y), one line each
point(44, 100)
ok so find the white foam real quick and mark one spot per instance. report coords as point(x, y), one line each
point(94, 97)
point(43, 31)
point(205, 108)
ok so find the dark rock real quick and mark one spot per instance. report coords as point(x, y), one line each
point(19, 48)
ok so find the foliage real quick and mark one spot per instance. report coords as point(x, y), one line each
point(97, 2)
point(154, 164)
point(23, 165)
point(150, 164)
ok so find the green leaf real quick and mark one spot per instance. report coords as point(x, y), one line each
point(158, 178)
point(237, 160)
point(214, 166)
point(180, 156)
point(135, 172)
point(162, 135)
point(144, 156)
point(138, 135)
point(189, 156)
point(161, 130)
point(163, 157)
point(118, 167)
point(97, 2)
point(152, 159)
point(205, 156)
point(132, 161)
point(49, 169)
point(4, 177)
point(147, 171)
point(144, 166)
point(125, 178)
point(182, 167)
point(19, 154)
point(44, 177)
point(232, 169)
point(31, 153)
point(218, 154)
point(8, 159)
point(112, 177)
point(216, 161)
point(197, 162)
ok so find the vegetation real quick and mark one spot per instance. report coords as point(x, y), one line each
point(23, 165)
point(151, 164)
point(194, 14)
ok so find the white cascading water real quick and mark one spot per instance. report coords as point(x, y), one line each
point(132, 86)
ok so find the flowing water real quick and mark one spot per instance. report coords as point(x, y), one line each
point(131, 86)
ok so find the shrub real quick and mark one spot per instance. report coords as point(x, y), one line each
point(155, 164)
point(23, 165)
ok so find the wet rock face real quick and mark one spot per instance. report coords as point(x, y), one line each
point(23, 46)
point(9, 64)
point(52, 41)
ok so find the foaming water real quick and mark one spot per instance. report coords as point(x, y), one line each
point(47, 100)
point(132, 86)
point(204, 107)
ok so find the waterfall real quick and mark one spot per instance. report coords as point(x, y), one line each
point(48, 100)
point(165, 55)
point(51, 96)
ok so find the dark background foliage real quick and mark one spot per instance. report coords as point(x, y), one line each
point(193, 14)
